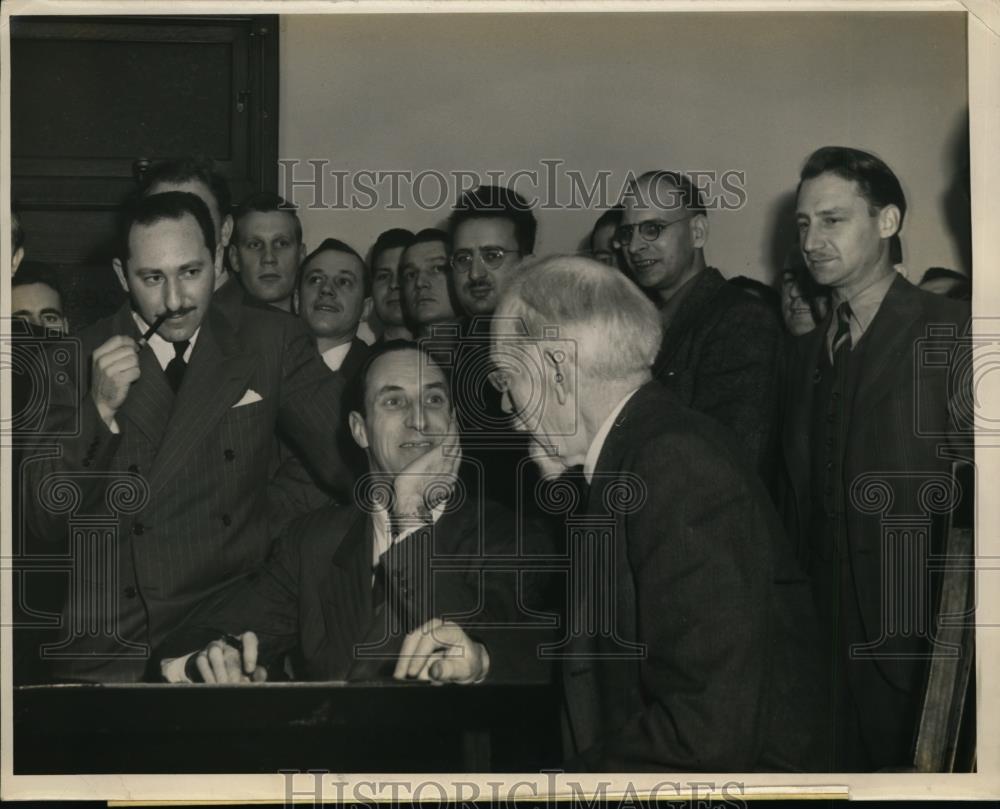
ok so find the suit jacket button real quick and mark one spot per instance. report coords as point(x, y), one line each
point(86, 462)
point(229, 454)
point(131, 592)
point(227, 520)
point(134, 469)
point(138, 528)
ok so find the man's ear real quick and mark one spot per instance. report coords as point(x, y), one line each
point(226, 231)
point(219, 263)
point(366, 310)
point(15, 260)
point(556, 369)
point(888, 221)
point(358, 429)
point(120, 272)
point(295, 300)
point(234, 258)
point(302, 253)
point(699, 230)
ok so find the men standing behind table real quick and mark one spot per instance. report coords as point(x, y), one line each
point(362, 575)
point(722, 348)
point(868, 419)
point(330, 298)
point(267, 248)
point(387, 293)
point(691, 636)
point(168, 437)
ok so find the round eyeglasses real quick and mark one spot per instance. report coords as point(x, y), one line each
point(649, 230)
point(492, 257)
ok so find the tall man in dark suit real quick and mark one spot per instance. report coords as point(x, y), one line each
point(721, 350)
point(356, 578)
point(864, 437)
point(166, 444)
point(702, 655)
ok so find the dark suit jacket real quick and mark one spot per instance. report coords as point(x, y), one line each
point(316, 593)
point(721, 355)
point(295, 488)
point(897, 442)
point(701, 575)
point(179, 492)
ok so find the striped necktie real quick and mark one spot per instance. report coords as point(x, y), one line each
point(842, 339)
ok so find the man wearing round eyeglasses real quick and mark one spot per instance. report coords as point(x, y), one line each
point(721, 349)
point(492, 229)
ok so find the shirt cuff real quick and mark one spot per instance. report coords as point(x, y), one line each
point(172, 669)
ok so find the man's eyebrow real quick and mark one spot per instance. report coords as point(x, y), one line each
point(20, 313)
point(436, 386)
point(51, 311)
point(388, 389)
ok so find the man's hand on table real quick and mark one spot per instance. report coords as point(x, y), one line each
point(441, 652)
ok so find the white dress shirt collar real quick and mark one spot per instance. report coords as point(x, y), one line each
point(163, 349)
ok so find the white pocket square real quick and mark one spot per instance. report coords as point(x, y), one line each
point(249, 397)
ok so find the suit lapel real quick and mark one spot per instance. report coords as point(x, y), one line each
point(888, 345)
point(216, 377)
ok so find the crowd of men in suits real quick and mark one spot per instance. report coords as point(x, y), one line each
point(318, 466)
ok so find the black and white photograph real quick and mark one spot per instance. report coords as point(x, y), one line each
point(502, 401)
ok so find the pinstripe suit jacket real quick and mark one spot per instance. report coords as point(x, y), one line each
point(179, 492)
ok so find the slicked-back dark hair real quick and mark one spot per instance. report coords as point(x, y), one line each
point(340, 247)
point(175, 205)
point(355, 394)
point(268, 202)
point(188, 169)
point(876, 181)
point(389, 239)
point(497, 202)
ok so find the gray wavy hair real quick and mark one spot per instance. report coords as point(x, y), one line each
point(615, 327)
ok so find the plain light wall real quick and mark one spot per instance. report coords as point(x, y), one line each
point(747, 92)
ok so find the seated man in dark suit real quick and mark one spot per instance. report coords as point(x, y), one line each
point(166, 439)
point(693, 640)
point(362, 577)
point(330, 298)
point(721, 350)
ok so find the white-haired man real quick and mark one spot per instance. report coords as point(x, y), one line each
point(707, 662)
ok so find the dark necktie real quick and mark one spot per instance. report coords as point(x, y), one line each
point(176, 367)
point(842, 339)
